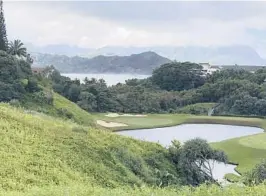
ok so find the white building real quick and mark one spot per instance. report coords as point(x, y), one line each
point(209, 69)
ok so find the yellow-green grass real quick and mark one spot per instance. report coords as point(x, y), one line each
point(88, 190)
point(79, 115)
point(244, 151)
point(61, 107)
point(40, 151)
point(232, 177)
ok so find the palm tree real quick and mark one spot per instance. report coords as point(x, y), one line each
point(17, 48)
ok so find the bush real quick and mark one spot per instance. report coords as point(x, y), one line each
point(257, 175)
point(15, 103)
point(32, 85)
point(8, 92)
point(42, 97)
point(63, 112)
point(135, 163)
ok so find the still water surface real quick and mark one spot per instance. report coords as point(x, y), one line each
point(210, 132)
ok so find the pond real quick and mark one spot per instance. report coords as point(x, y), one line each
point(210, 132)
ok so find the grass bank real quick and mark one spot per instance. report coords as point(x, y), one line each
point(61, 108)
point(40, 151)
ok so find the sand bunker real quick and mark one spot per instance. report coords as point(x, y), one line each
point(110, 124)
point(113, 115)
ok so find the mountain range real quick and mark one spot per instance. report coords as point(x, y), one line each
point(116, 59)
point(142, 63)
point(234, 54)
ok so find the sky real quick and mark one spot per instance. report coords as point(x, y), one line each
point(98, 24)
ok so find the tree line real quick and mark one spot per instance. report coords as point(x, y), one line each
point(171, 87)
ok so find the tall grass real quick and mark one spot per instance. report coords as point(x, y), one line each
point(38, 150)
point(88, 190)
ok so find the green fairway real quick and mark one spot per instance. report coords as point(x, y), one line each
point(256, 141)
point(149, 121)
point(245, 151)
point(164, 120)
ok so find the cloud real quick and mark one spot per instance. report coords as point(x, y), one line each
point(97, 24)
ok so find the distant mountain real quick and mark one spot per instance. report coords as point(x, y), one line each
point(235, 54)
point(142, 63)
point(215, 55)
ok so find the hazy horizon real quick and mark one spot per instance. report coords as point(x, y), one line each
point(89, 24)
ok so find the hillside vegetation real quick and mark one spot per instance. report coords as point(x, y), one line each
point(38, 150)
point(87, 190)
point(47, 156)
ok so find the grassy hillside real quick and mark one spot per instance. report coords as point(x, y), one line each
point(38, 150)
point(43, 155)
point(78, 115)
point(61, 107)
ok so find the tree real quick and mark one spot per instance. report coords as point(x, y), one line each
point(178, 76)
point(8, 68)
point(87, 101)
point(3, 36)
point(17, 48)
point(32, 85)
point(245, 106)
point(194, 160)
point(73, 92)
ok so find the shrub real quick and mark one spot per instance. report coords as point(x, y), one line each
point(257, 175)
point(32, 85)
point(134, 162)
point(63, 112)
point(15, 103)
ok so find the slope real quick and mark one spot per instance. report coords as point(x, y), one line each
point(60, 107)
point(38, 150)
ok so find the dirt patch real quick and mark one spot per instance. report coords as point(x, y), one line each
point(114, 115)
point(110, 124)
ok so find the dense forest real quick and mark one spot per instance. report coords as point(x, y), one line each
point(170, 88)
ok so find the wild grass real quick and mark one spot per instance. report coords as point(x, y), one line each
point(40, 151)
point(88, 190)
point(61, 107)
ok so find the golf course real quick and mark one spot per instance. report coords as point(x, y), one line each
point(244, 151)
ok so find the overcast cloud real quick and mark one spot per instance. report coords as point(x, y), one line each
point(97, 24)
